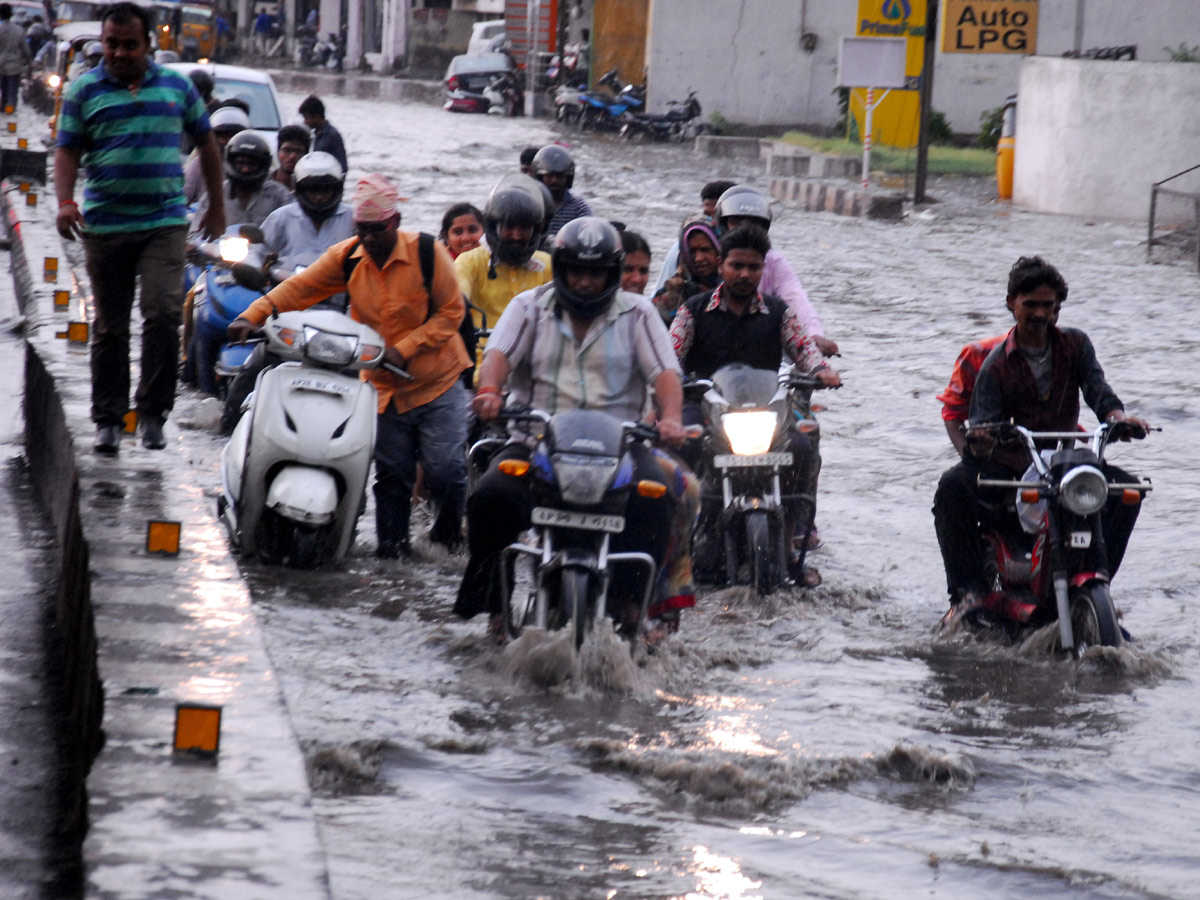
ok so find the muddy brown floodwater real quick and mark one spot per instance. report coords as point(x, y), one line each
point(817, 744)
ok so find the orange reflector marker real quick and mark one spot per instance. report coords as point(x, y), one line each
point(22, 143)
point(9, 109)
point(287, 335)
point(12, 127)
point(1130, 497)
point(1030, 495)
point(62, 298)
point(25, 185)
point(197, 728)
point(31, 199)
point(514, 467)
point(130, 420)
point(652, 489)
point(77, 332)
point(162, 537)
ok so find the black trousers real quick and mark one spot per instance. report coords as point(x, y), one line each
point(498, 510)
point(957, 513)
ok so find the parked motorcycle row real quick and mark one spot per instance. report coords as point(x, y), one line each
point(611, 105)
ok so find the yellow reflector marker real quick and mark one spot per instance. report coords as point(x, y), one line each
point(514, 467)
point(1030, 495)
point(163, 537)
point(197, 728)
point(652, 489)
point(77, 332)
point(1130, 497)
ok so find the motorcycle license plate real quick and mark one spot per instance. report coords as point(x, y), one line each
point(308, 383)
point(564, 518)
point(733, 461)
point(1081, 540)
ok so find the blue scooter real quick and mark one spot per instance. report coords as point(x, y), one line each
point(217, 300)
point(604, 106)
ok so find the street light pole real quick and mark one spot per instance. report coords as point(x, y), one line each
point(926, 97)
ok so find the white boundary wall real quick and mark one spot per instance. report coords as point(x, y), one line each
point(1093, 136)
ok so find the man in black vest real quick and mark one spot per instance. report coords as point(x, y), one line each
point(734, 323)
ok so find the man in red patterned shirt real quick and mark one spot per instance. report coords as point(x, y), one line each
point(956, 398)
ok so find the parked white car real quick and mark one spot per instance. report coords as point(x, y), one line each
point(483, 34)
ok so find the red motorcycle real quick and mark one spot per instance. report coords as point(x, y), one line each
point(1048, 561)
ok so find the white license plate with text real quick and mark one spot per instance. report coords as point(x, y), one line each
point(1081, 540)
point(733, 461)
point(564, 518)
point(308, 383)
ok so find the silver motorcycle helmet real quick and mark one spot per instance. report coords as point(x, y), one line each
point(743, 202)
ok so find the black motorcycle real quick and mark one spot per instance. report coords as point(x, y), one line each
point(678, 123)
point(749, 414)
point(581, 478)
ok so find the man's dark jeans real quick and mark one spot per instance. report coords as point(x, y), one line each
point(115, 262)
point(434, 433)
point(957, 512)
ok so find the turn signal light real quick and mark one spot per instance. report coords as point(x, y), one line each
point(1130, 497)
point(287, 335)
point(1030, 495)
point(369, 352)
point(514, 467)
point(651, 489)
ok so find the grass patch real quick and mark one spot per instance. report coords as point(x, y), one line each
point(943, 160)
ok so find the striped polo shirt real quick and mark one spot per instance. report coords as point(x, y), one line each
point(130, 144)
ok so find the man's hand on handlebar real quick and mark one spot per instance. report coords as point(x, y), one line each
point(239, 330)
point(1129, 427)
point(487, 403)
point(825, 345)
point(828, 377)
point(671, 432)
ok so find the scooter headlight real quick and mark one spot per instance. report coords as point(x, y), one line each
point(751, 432)
point(584, 479)
point(234, 249)
point(328, 348)
point(54, 80)
point(1084, 490)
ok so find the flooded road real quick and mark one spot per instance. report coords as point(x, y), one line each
point(819, 744)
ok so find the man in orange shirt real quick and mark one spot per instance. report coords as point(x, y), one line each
point(422, 419)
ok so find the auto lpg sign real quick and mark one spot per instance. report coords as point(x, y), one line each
point(990, 26)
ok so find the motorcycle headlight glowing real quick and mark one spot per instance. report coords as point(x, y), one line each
point(749, 433)
point(584, 479)
point(54, 80)
point(234, 249)
point(328, 348)
point(1084, 490)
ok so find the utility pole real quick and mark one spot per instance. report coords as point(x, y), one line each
point(926, 97)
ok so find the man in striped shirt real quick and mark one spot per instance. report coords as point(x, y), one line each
point(553, 167)
point(125, 120)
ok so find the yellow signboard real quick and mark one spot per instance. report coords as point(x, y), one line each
point(897, 118)
point(990, 26)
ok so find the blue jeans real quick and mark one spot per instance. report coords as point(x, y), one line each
point(434, 434)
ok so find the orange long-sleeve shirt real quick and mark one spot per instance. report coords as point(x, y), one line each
point(393, 302)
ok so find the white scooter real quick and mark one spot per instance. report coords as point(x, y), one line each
point(295, 469)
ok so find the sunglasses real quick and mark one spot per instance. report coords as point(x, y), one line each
point(371, 227)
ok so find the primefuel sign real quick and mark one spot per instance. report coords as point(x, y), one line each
point(897, 117)
point(990, 26)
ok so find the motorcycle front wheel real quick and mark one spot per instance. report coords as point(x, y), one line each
point(760, 552)
point(576, 597)
point(1094, 618)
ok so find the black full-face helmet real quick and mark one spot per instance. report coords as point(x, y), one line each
point(515, 200)
point(587, 243)
point(319, 183)
point(247, 145)
point(553, 160)
point(743, 201)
